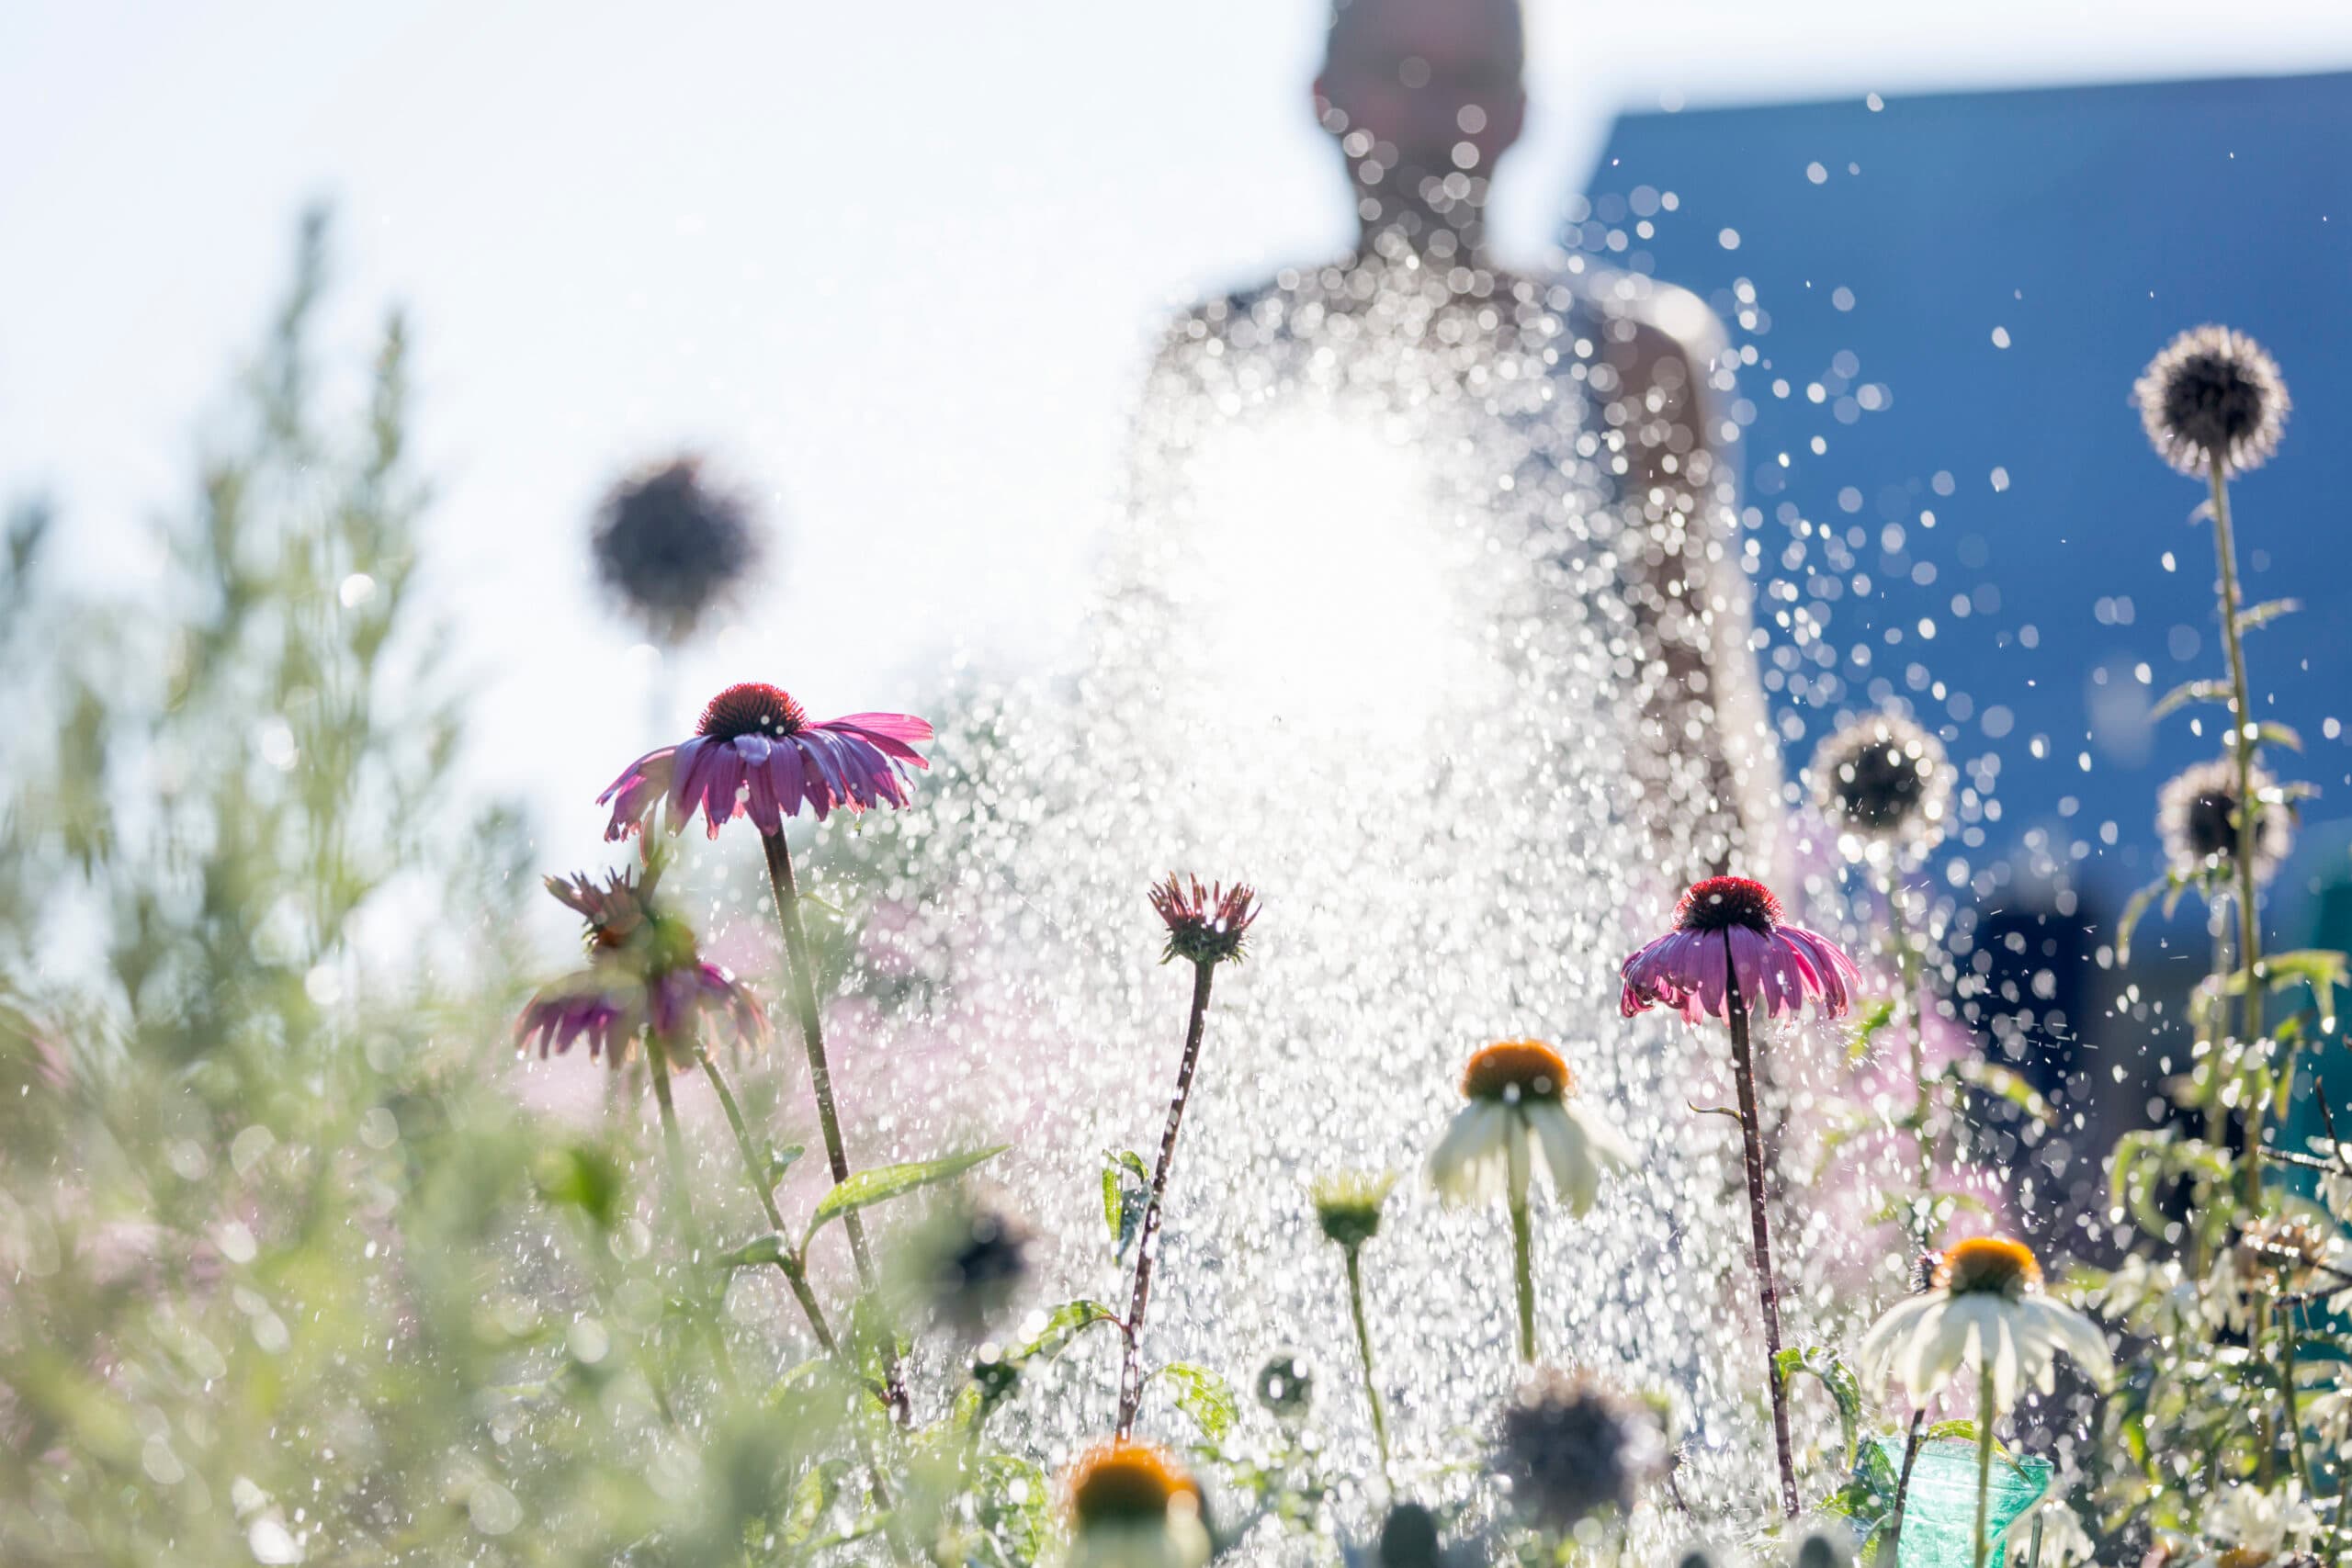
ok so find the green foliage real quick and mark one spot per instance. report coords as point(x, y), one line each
point(883, 1182)
point(1845, 1389)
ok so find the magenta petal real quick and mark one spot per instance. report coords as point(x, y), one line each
point(723, 788)
point(898, 728)
point(814, 783)
point(685, 769)
point(759, 796)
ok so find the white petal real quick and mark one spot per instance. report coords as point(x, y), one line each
point(1938, 1349)
point(2071, 1331)
point(1466, 1166)
point(1893, 1329)
point(1608, 1144)
point(1518, 1140)
point(1575, 1174)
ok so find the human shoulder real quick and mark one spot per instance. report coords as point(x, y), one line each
point(1648, 325)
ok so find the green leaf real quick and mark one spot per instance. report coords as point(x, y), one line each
point(1014, 1505)
point(1204, 1396)
point(2132, 913)
point(782, 1160)
point(1990, 1078)
point(1836, 1377)
point(2276, 734)
point(812, 1496)
point(1126, 1193)
point(1875, 1017)
point(2269, 610)
point(580, 1178)
point(1063, 1324)
point(884, 1182)
point(2190, 691)
point(761, 1251)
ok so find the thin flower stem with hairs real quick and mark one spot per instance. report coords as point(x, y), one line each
point(674, 1145)
point(1363, 1350)
point(803, 979)
point(1909, 1019)
point(1751, 1132)
point(1890, 1550)
point(1148, 1238)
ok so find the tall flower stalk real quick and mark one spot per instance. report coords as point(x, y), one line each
point(756, 753)
point(1348, 1208)
point(1207, 926)
point(1730, 953)
point(1886, 784)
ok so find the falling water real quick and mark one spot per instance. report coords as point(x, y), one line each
point(1370, 638)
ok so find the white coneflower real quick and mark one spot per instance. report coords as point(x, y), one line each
point(2197, 820)
point(2212, 395)
point(1986, 1307)
point(2246, 1526)
point(1133, 1506)
point(1522, 1098)
point(1884, 781)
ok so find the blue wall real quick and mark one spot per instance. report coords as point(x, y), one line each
point(2090, 225)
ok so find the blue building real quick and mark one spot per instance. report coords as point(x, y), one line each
point(1941, 304)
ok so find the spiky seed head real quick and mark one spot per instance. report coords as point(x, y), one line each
point(672, 547)
point(1572, 1447)
point(1991, 1265)
point(2212, 395)
point(1207, 924)
point(1883, 779)
point(2196, 813)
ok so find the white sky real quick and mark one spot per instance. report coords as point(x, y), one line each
point(894, 266)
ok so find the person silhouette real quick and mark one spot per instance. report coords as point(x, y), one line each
point(1604, 378)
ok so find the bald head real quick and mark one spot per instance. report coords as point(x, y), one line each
point(1436, 80)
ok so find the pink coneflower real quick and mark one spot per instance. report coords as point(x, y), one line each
point(1206, 924)
point(756, 752)
point(1763, 964)
point(1779, 964)
point(643, 973)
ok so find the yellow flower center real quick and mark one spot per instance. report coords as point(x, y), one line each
point(1124, 1482)
point(1529, 1066)
point(1991, 1264)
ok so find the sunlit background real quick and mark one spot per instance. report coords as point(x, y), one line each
point(897, 281)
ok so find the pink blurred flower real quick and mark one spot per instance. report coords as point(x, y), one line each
point(643, 971)
point(755, 752)
point(1779, 964)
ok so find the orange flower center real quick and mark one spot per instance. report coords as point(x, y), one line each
point(1991, 1264)
point(1124, 1482)
point(1529, 1066)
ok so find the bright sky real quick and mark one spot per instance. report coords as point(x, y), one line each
point(897, 275)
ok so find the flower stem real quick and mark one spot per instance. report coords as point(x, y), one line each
point(1983, 1459)
point(793, 1275)
point(2287, 1394)
point(1908, 1015)
point(1889, 1553)
point(1147, 1239)
point(2241, 738)
point(1752, 1130)
point(1364, 1346)
point(672, 1142)
point(1523, 1271)
point(803, 979)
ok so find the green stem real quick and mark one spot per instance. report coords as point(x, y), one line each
point(2242, 741)
point(803, 979)
point(1363, 1348)
point(793, 1275)
point(1907, 1017)
point(2287, 1394)
point(1523, 1271)
point(1983, 1460)
point(672, 1142)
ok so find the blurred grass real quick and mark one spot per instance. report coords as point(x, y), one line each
point(284, 1273)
